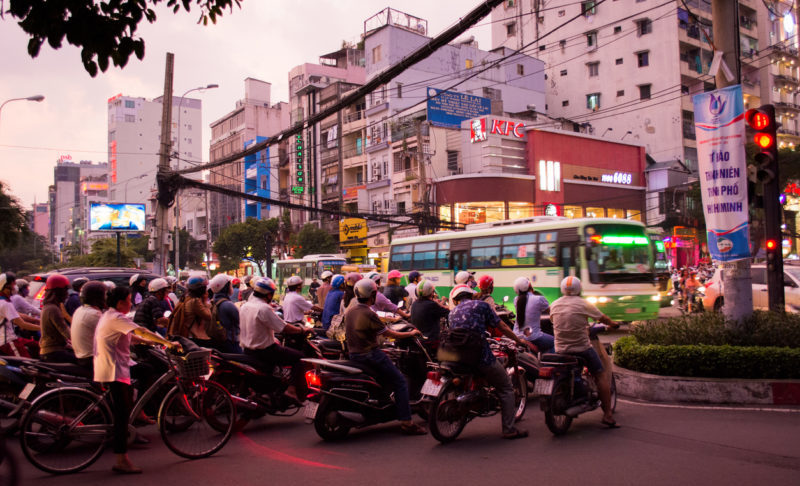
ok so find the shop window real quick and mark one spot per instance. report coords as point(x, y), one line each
point(549, 175)
point(480, 212)
point(595, 213)
point(634, 215)
point(616, 213)
point(520, 210)
point(573, 211)
point(446, 213)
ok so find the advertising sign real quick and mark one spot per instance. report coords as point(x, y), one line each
point(719, 125)
point(116, 217)
point(353, 232)
point(449, 108)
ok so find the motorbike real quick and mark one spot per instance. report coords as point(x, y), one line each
point(346, 394)
point(566, 389)
point(458, 395)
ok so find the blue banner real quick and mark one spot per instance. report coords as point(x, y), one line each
point(449, 108)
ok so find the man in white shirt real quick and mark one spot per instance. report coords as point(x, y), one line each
point(10, 343)
point(413, 279)
point(85, 319)
point(258, 324)
point(294, 305)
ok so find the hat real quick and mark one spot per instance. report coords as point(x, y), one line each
point(5, 279)
point(394, 274)
point(414, 275)
point(264, 286)
point(571, 286)
point(293, 280)
point(78, 283)
point(374, 276)
point(218, 282)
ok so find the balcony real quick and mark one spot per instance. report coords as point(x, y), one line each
point(787, 105)
point(783, 50)
point(355, 161)
point(355, 121)
point(788, 132)
point(786, 79)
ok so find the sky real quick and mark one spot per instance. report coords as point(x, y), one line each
point(263, 40)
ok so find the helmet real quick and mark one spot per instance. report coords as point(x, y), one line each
point(78, 283)
point(56, 281)
point(365, 288)
point(337, 282)
point(394, 274)
point(134, 278)
point(21, 282)
point(459, 290)
point(521, 285)
point(264, 286)
point(157, 284)
point(109, 285)
point(463, 276)
point(485, 282)
point(294, 280)
point(196, 282)
point(375, 277)
point(218, 282)
point(326, 274)
point(353, 277)
point(413, 274)
point(171, 280)
point(5, 279)
point(93, 292)
point(425, 288)
point(571, 286)
point(236, 282)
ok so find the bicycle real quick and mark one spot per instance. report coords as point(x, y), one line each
point(66, 429)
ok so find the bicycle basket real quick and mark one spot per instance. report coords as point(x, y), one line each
point(193, 364)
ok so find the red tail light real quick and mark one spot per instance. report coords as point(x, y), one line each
point(434, 376)
point(312, 379)
point(40, 294)
point(545, 372)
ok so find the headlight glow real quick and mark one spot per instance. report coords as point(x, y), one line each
point(591, 299)
point(602, 300)
point(655, 298)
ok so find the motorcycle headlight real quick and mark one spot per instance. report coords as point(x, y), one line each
point(591, 299)
point(655, 298)
point(602, 300)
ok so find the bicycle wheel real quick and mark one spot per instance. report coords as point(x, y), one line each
point(65, 430)
point(190, 419)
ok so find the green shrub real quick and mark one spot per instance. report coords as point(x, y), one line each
point(708, 361)
point(761, 329)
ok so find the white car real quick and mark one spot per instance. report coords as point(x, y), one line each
point(714, 294)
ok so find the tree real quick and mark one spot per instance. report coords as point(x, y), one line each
point(104, 254)
point(311, 240)
point(31, 254)
point(252, 240)
point(104, 31)
point(15, 221)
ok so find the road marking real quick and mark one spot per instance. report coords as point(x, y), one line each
point(711, 407)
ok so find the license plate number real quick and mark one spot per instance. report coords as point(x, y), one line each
point(432, 388)
point(26, 392)
point(543, 387)
point(310, 410)
point(632, 310)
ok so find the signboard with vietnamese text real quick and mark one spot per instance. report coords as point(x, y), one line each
point(353, 232)
point(450, 108)
point(720, 129)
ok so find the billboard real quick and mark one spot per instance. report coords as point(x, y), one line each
point(449, 108)
point(116, 217)
point(353, 232)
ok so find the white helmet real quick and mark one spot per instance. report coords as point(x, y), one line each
point(326, 274)
point(463, 276)
point(157, 284)
point(133, 279)
point(458, 290)
point(293, 280)
point(426, 288)
point(375, 277)
point(110, 285)
point(218, 282)
point(571, 286)
point(170, 279)
point(364, 288)
point(521, 285)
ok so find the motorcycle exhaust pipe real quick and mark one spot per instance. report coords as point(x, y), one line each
point(354, 418)
point(244, 403)
point(576, 410)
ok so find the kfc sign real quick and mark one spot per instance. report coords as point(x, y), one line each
point(503, 127)
point(477, 131)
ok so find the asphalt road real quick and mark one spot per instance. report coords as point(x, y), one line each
point(657, 444)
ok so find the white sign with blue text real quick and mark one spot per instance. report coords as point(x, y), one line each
point(719, 126)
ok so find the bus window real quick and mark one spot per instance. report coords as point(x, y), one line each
point(401, 257)
point(425, 256)
point(485, 252)
point(548, 256)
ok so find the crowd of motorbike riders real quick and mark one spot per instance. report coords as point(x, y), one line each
point(92, 324)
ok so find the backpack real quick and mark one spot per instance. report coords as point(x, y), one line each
point(217, 331)
point(336, 330)
point(461, 345)
point(177, 321)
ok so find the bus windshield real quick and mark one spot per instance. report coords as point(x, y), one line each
point(617, 253)
point(334, 266)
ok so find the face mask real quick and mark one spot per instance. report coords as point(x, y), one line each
point(472, 284)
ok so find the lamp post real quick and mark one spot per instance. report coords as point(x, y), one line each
point(607, 130)
point(140, 176)
point(36, 98)
point(178, 166)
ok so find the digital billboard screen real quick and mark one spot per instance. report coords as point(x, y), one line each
point(116, 217)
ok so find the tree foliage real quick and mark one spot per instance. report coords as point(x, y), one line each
point(14, 220)
point(104, 31)
point(251, 240)
point(31, 254)
point(104, 254)
point(311, 240)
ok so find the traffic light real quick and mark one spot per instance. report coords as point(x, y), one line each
point(772, 253)
point(762, 121)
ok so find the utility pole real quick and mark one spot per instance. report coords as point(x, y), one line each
point(340, 176)
point(736, 278)
point(162, 213)
point(423, 181)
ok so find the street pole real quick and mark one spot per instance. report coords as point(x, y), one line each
point(423, 229)
point(736, 278)
point(340, 175)
point(162, 214)
point(119, 259)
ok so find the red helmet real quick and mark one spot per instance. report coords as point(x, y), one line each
point(56, 281)
point(235, 282)
point(485, 282)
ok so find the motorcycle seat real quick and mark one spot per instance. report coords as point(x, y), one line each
point(331, 344)
point(67, 369)
point(554, 358)
point(456, 368)
point(242, 358)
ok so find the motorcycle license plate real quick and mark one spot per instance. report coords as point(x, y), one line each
point(633, 310)
point(432, 388)
point(543, 387)
point(26, 392)
point(310, 410)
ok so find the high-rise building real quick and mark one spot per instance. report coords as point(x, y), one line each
point(40, 223)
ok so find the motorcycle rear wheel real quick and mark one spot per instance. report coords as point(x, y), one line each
point(558, 424)
point(327, 422)
point(520, 384)
point(446, 420)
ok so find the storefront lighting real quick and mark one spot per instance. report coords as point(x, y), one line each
point(660, 246)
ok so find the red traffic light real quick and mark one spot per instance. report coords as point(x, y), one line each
point(757, 119)
point(764, 140)
point(771, 244)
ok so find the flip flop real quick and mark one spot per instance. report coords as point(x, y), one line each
point(126, 470)
point(610, 424)
point(516, 434)
point(413, 429)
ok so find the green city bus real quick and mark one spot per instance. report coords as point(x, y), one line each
point(612, 257)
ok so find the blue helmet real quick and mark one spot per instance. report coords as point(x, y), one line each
point(337, 282)
point(264, 286)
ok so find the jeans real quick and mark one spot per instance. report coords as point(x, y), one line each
point(280, 356)
point(496, 376)
point(388, 372)
point(545, 343)
point(121, 404)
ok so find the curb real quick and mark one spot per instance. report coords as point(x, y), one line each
point(655, 388)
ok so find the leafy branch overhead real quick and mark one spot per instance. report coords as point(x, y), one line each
point(104, 31)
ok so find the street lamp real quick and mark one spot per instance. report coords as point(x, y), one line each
point(36, 98)
point(140, 176)
point(178, 166)
point(609, 129)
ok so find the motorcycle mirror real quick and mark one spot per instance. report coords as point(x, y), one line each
point(505, 298)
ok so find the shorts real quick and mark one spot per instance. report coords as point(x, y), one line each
point(592, 360)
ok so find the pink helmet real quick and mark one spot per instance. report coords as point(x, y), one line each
point(394, 274)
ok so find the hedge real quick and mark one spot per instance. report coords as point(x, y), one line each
point(708, 361)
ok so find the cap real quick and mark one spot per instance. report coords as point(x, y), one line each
point(485, 282)
point(425, 288)
point(109, 285)
point(522, 284)
point(414, 275)
point(394, 274)
point(218, 282)
point(56, 281)
point(365, 288)
point(353, 277)
point(264, 286)
point(157, 284)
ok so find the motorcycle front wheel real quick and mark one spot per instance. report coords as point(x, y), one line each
point(327, 422)
point(520, 384)
point(446, 419)
point(558, 423)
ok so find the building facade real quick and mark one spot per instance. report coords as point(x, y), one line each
point(40, 223)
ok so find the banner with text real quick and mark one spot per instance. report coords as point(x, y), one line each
point(450, 108)
point(719, 126)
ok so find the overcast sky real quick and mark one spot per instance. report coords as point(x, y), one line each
point(264, 40)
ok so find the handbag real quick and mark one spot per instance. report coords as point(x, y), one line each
point(461, 345)
point(336, 330)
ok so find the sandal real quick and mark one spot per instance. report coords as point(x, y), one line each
point(130, 469)
point(412, 429)
point(610, 424)
point(516, 434)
